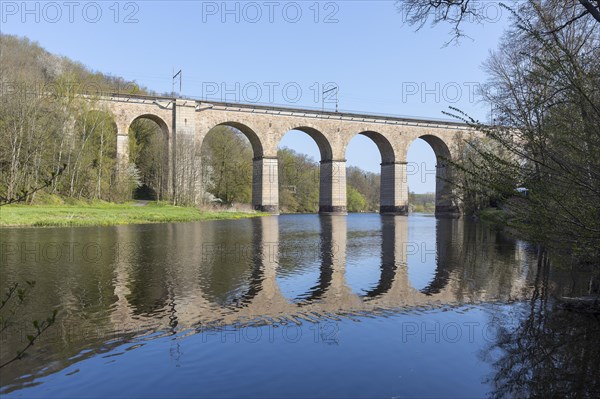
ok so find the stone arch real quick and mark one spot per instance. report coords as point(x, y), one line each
point(265, 192)
point(444, 202)
point(439, 146)
point(322, 142)
point(255, 142)
point(383, 144)
point(154, 118)
point(97, 110)
point(96, 126)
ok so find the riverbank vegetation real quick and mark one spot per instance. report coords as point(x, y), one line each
point(46, 125)
point(421, 203)
point(99, 213)
point(544, 88)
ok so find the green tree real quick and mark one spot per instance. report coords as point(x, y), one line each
point(543, 85)
point(147, 150)
point(367, 184)
point(228, 156)
point(299, 181)
point(355, 200)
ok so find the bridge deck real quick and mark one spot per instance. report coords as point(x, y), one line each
point(303, 112)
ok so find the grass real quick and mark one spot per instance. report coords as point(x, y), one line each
point(108, 214)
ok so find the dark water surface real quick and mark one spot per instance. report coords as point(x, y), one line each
point(294, 306)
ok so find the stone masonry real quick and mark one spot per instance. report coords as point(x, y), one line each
point(265, 126)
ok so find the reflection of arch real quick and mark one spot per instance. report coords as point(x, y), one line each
point(444, 202)
point(255, 281)
point(257, 147)
point(263, 291)
point(326, 254)
point(260, 253)
point(389, 263)
point(319, 138)
point(226, 257)
point(444, 236)
point(147, 275)
point(331, 286)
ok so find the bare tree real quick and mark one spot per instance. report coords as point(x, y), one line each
point(546, 76)
point(458, 12)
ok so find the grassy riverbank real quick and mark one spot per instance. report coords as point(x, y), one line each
point(107, 214)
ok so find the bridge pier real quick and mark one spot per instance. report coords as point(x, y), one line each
point(122, 149)
point(394, 189)
point(265, 185)
point(332, 193)
point(445, 206)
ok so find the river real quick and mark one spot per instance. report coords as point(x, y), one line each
point(293, 306)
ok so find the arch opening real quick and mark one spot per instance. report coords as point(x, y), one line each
point(301, 177)
point(226, 175)
point(428, 172)
point(368, 153)
point(148, 139)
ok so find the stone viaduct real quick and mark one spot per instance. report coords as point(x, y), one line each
point(265, 126)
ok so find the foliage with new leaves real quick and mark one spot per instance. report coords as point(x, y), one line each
point(44, 129)
point(227, 160)
point(148, 152)
point(227, 156)
point(298, 182)
point(13, 300)
point(544, 84)
point(356, 202)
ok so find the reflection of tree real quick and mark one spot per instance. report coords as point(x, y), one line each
point(445, 237)
point(149, 284)
point(550, 353)
point(486, 261)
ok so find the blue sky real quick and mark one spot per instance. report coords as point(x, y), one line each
point(278, 52)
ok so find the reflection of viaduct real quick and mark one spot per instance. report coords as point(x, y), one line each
point(189, 121)
point(331, 295)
